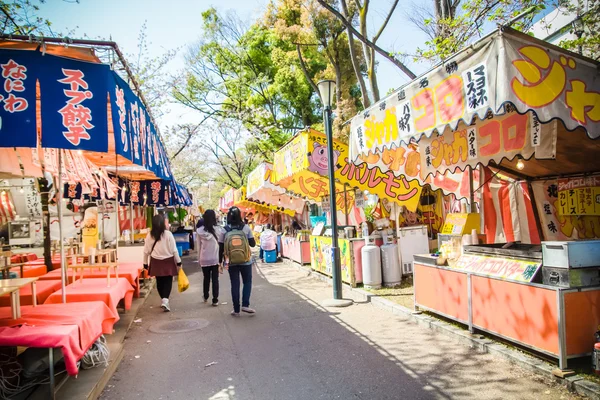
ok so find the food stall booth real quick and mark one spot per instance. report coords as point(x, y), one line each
point(260, 188)
point(59, 108)
point(518, 109)
point(301, 168)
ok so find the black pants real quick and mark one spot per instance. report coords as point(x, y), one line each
point(234, 274)
point(211, 272)
point(164, 284)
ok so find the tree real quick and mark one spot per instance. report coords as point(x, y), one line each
point(20, 17)
point(236, 71)
point(215, 151)
point(587, 28)
point(321, 49)
point(453, 24)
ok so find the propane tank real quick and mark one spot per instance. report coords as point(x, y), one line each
point(390, 261)
point(371, 264)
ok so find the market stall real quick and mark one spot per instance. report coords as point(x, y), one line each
point(517, 109)
point(260, 188)
point(301, 168)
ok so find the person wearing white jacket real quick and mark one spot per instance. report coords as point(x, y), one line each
point(208, 238)
point(161, 258)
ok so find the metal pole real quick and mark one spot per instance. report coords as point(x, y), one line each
point(63, 266)
point(346, 202)
point(51, 371)
point(471, 192)
point(131, 221)
point(336, 271)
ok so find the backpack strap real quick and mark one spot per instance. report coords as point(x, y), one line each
point(153, 246)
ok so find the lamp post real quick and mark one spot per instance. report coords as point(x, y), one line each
point(327, 92)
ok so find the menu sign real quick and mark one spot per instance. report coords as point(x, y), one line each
point(579, 196)
point(505, 268)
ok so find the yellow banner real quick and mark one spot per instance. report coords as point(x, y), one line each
point(242, 202)
point(302, 167)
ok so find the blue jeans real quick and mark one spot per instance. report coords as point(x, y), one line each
point(234, 274)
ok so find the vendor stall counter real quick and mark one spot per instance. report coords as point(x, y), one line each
point(350, 257)
point(501, 291)
point(295, 249)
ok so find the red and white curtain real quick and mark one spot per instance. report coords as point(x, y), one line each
point(139, 219)
point(7, 208)
point(508, 211)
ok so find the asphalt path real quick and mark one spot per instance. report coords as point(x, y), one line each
point(295, 349)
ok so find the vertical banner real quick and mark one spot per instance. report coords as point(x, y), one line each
point(120, 97)
point(74, 98)
point(17, 98)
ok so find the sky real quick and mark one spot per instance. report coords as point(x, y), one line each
point(177, 23)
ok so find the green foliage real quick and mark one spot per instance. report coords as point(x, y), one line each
point(588, 28)
point(450, 30)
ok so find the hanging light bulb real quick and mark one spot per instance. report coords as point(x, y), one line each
point(124, 188)
point(21, 190)
point(80, 152)
point(3, 192)
point(520, 165)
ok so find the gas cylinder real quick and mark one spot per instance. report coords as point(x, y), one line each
point(371, 264)
point(390, 262)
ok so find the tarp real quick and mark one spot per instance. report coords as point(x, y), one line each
point(301, 167)
point(241, 201)
point(261, 188)
point(506, 67)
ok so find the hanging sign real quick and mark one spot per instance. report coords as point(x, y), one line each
point(579, 196)
point(325, 204)
point(74, 97)
point(359, 199)
point(17, 98)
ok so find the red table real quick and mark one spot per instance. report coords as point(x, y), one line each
point(43, 290)
point(30, 271)
point(71, 327)
point(131, 272)
point(95, 289)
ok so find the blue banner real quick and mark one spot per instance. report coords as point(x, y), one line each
point(120, 96)
point(17, 98)
point(74, 98)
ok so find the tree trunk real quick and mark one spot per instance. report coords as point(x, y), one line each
point(44, 194)
point(355, 64)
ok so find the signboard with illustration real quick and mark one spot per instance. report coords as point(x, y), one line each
point(260, 187)
point(506, 67)
point(321, 261)
point(500, 267)
point(305, 173)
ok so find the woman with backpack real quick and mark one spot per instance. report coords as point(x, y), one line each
point(161, 258)
point(209, 235)
point(236, 252)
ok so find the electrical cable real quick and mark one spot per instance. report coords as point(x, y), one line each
point(97, 355)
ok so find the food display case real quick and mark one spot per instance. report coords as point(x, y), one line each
point(296, 248)
point(513, 291)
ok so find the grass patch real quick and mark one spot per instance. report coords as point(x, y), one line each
point(402, 294)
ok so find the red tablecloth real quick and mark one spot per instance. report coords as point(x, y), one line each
point(30, 271)
point(40, 261)
point(95, 289)
point(73, 327)
point(131, 272)
point(43, 290)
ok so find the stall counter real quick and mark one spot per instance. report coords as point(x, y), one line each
point(556, 321)
point(350, 257)
point(295, 249)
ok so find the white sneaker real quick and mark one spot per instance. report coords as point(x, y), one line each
point(165, 305)
point(235, 314)
point(248, 310)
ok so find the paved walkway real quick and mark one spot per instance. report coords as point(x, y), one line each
point(294, 349)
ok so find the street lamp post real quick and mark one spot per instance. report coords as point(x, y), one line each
point(327, 92)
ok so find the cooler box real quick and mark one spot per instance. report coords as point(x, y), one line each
point(270, 256)
point(183, 241)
